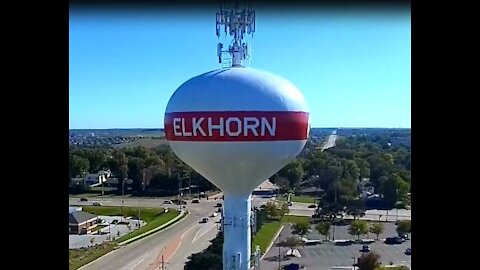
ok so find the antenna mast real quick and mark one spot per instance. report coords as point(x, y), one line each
point(236, 22)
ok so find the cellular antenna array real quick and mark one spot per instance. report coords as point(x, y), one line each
point(236, 22)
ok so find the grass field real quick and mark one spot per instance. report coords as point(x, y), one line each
point(300, 199)
point(153, 216)
point(159, 220)
point(265, 235)
point(82, 256)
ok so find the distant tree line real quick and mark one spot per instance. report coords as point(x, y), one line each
point(149, 169)
point(337, 170)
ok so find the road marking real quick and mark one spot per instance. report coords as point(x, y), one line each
point(211, 226)
point(135, 263)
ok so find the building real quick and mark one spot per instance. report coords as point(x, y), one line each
point(266, 188)
point(366, 189)
point(93, 179)
point(310, 191)
point(80, 222)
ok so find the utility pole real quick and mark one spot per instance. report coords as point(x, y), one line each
point(179, 193)
point(397, 204)
point(189, 189)
point(101, 179)
point(279, 254)
point(123, 197)
point(138, 214)
point(143, 181)
point(335, 185)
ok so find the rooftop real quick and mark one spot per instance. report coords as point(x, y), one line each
point(78, 217)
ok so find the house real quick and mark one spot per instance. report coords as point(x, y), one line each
point(310, 191)
point(365, 187)
point(93, 179)
point(80, 222)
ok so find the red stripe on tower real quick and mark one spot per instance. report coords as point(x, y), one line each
point(236, 126)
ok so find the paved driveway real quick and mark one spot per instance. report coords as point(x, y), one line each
point(116, 230)
point(329, 255)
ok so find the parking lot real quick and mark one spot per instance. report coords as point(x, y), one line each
point(329, 255)
point(114, 230)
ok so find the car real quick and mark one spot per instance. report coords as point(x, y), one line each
point(96, 204)
point(115, 221)
point(195, 201)
point(218, 205)
point(219, 210)
point(289, 203)
point(204, 220)
point(83, 199)
point(293, 266)
point(403, 235)
point(167, 202)
point(393, 240)
point(312, 206)
point(408, 251)
point(214, 214)
point(178, 202)
point(263, 206)
point(365, 248)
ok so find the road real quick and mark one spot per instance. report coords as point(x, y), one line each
point(330, 142)
point(301, 209)
point(176, 243)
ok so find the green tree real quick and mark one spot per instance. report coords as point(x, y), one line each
point(283, 209)
point(301, 227)
point(394, 189)
point(404, 226)
point(376, 228)
point(355, 208)
point(282, 183)
point(369, 261)
point(135, 172)
point(78, 166)
point(323, 228)
point(271, 209)
point(358, 228)
point(293, 172)
point(97, 159)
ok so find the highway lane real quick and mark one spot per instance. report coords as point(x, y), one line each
point(301, 209)
point(330, 142)
point(195, 240)
point(142, 253)
point(188, 236)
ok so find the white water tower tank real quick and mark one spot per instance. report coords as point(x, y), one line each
point(236, 127)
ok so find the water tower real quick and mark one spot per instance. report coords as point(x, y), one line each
point(236, 126)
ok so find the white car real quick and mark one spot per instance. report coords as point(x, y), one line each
point(214, 214)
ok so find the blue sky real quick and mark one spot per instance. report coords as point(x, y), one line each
point(354, 68)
